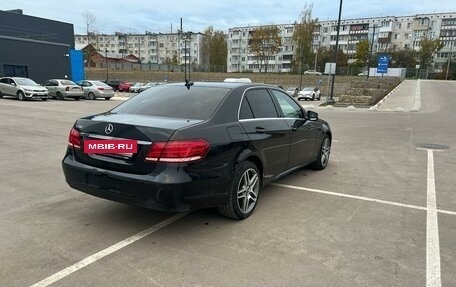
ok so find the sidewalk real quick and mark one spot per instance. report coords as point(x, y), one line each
point(400, 99)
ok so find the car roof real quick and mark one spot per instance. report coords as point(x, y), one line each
point(230, 85)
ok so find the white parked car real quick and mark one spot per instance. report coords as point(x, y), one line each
point(312, 72)
point(96, 89)
point(309, 93)
point(292, 91)
point(22, 89)
point(135, 88)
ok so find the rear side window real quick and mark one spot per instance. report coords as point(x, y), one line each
point(66, 82)
point(246, 111)
point(261, 104)
point(197, 103)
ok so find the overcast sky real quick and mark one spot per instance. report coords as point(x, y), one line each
point(137, 16)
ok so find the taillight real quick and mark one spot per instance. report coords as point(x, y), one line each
point(101, 89)
point(178, 151)
point(74, 140)
point(67, 88)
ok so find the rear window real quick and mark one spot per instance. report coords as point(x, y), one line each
point(97, 83)
point(66, 82)
point(198, 103)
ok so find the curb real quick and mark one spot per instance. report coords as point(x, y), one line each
point(387, 96)
point(416, 107)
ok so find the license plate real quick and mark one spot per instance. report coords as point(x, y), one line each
point(120, 147)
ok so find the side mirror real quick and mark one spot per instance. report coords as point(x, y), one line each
point(312, 116)
point(13, 84)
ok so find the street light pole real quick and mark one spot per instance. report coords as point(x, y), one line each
point(316, 56)
point(371, 51)
point(106, 62)
point(331, 101)
point(449, 60)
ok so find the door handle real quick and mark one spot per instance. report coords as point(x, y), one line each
point(260, 130)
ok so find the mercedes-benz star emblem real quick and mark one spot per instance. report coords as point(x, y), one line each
point(108, 129)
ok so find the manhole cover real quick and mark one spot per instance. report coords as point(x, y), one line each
point(433, 146)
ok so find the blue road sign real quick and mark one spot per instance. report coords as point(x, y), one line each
point(382, 67)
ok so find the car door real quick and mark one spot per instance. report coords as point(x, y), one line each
point(12, 87)
point(4, 86)
point(86, 86)
point(50, 86)
point(268, 132)
point(303, 132)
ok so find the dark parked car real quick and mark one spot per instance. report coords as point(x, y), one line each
point(214, 144)
point(114, 84)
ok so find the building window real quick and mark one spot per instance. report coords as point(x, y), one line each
point(409, 25)
point(399, 25)
point(15, 71)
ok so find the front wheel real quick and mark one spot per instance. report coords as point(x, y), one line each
point(20, 96)
point(245, 189)
point(323, 154)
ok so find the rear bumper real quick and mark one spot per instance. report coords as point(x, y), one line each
point(172, 190)
point(79, 94)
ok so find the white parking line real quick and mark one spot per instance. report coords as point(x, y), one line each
point(352, 196)
point(105, 252)
point(432, 229)
point(362, 198)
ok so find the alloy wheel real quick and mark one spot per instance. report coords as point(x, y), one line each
point(325, 151)
point(247, 192)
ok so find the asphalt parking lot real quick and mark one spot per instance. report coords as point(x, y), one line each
point(383, 213)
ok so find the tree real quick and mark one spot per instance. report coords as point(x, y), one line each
point(264, 43)
point(404, 58)
point(174, 60)
point(362, 53)
point(426, 53)
point(303, 39)
point(89, 21)
point(214, 49)
point(326, 55)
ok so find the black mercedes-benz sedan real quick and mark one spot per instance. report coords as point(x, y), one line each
point(206, 145)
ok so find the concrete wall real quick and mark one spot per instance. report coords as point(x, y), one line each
point(341, 85)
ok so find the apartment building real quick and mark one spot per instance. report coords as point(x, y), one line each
point(387, 33)
point(154, 48)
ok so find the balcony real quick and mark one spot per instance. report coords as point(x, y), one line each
point(385, 29)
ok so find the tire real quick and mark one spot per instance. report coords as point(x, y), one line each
point(59, 96)
point(107, 98)
point(1, 95)
point(244, 192)
point(20, 96)
point(77, 98)
point(44, 99)
point(323, 154)
point(91, 96)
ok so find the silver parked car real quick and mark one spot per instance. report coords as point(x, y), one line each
point(22, 89)
point(147, 86)
point(60, 89)
point(96, 89)
point(135, 88)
